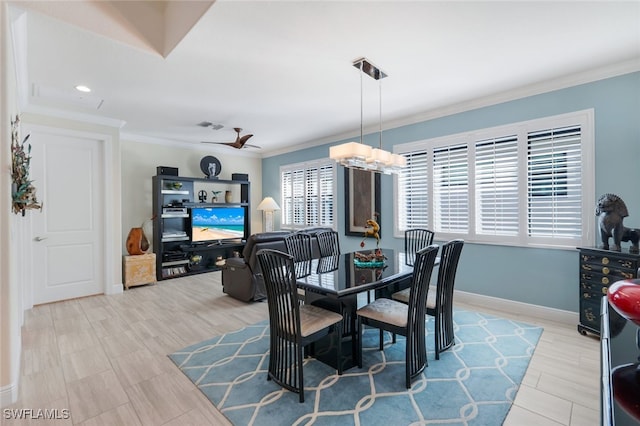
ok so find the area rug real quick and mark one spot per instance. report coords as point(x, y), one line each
point(473, 383)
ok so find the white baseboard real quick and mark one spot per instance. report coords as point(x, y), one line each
point(518, 308)
point(8, 394)
point(115, 289)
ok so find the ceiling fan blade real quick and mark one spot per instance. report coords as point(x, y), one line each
point(244, 139)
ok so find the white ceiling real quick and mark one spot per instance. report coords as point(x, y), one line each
point(282, 69)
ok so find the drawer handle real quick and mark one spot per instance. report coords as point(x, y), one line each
point(604, 290)
point(605, 260)
point(605, 280)
point(605, 270)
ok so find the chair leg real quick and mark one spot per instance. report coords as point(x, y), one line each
point(381, 339)
point(300, 375)
point(338, 336)
point(358, 335)
point(437, 337)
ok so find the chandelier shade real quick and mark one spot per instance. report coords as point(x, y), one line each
point(357, 155)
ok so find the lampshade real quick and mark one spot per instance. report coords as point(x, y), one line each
point(357, 155)
point(268, 204)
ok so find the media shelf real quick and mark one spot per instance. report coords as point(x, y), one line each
point(173, 198)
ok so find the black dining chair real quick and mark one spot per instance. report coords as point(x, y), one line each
point(299, 246)
point(292, 326)
point(404, 319)
point(329, 243)
point(415, 240)
point(440, 299)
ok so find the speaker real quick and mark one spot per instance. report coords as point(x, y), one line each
point(167, 171)
point(239, 176)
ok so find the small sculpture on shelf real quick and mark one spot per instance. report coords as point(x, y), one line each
point(611, 211)
point(214, 197)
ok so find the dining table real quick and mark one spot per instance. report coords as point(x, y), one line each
point(341, 282)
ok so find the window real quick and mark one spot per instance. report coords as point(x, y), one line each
point(525, 184)
point(308, 194)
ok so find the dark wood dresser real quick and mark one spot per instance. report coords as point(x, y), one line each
point(620, 369)
point(598, 270)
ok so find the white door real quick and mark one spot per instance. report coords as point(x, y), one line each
point(68, 235)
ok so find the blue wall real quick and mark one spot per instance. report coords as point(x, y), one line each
point(538, 276)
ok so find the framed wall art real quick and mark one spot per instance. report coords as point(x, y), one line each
point(362, 200)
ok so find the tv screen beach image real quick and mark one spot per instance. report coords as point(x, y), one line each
point(217, 223)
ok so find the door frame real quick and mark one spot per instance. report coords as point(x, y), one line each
point(111, 240)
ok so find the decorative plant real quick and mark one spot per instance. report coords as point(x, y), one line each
point(23, 192)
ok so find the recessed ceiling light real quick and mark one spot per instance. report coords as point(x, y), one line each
point(82, 88)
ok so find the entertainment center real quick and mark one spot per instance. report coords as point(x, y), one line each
point(191, 235)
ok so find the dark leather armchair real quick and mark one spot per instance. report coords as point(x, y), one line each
point(242, 278)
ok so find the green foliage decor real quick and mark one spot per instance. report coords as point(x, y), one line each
point(22, 190)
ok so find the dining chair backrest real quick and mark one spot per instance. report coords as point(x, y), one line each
point(299, 246)
point(417, 239)
point(422, 269)
point(443, 309)
point(329, 243)
point(449, 258)
point(282, 295)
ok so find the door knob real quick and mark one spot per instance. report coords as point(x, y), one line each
point(40, 238)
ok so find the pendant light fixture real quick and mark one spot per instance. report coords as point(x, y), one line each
point(357, 155)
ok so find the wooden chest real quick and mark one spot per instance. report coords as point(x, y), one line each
point(139, 269)
point(598, 270)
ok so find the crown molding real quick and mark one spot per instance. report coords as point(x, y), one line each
point(559, 83)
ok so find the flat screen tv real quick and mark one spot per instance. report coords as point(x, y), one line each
point(217, 223)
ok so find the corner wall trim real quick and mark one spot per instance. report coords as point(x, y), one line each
point(8, 394)
point(518, 308)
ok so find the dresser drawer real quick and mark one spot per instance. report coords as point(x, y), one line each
point(612, 261)
point(617, 273)
point(601, 279)
point(593, 290)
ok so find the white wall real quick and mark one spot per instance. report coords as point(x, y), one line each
point(139, 163)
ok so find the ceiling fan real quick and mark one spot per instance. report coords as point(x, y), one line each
point(239, 143)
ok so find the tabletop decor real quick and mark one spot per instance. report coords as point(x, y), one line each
point(374, 259)
point(473, 383)
point(23, 193)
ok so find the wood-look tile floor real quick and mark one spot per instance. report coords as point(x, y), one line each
point(104, 359)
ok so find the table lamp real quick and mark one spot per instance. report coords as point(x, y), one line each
point(268, 206)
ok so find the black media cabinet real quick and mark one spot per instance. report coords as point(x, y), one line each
point(173, 196)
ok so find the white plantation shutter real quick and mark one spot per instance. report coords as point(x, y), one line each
point(451, 189)
point(308, 194)
point(496, 186)
point(326, 183)
point(413, 192)
point(554, 182)
point(528, 184)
